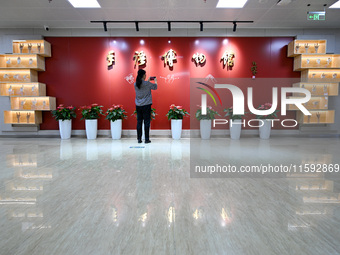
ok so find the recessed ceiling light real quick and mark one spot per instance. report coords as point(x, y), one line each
point(85, 3)
point(231, 3)
point(335, 5)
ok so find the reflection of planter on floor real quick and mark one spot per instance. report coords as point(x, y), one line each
point(91, 149)
point(66, 149)
point(176, 150)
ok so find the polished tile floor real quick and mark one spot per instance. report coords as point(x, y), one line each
point(119, 197)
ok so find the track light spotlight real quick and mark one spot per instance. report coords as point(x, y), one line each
point(201, 26)
point(169, 22)
point(234, 27)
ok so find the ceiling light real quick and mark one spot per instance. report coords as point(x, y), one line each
point(335, 5)
point(85, 3)
point(231, 3)
point(283, 2)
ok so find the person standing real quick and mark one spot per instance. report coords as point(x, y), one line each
point(143, 103)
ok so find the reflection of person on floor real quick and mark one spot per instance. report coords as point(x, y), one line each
point(143, 103)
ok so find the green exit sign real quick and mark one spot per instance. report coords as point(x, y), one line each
point(316, 15)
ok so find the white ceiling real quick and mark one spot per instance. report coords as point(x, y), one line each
point(264, 13)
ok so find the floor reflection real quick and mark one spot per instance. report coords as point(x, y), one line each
point(109, 196)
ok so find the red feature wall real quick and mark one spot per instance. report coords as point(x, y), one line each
point(77, 73)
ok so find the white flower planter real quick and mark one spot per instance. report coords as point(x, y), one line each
point(65, 128)
point(176, 129)
point(91, 127)
point(235, 129)
point(205, 129)
point(265, 129)
point(116, 129)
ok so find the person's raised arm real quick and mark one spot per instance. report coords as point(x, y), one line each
point(153, 85)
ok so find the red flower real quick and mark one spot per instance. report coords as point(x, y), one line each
point(179, 107)
point(94, 104)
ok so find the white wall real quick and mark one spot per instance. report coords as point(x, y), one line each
point(332, 36)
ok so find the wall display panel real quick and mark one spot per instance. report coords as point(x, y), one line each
point(19, 81)
point(318, 89)
point(23, 89)
point(315, 103)
point(20, 61)
point(303, 62)
point(40, 47)
point(298, 47)
point(23, 117)
point(319, 75)
point(18, 75)
point(317, 117)
point(33, 103)
point(78, 74)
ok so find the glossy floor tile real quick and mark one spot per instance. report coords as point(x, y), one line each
point(108, 196)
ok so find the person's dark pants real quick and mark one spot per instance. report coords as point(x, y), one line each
point(143, 114)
